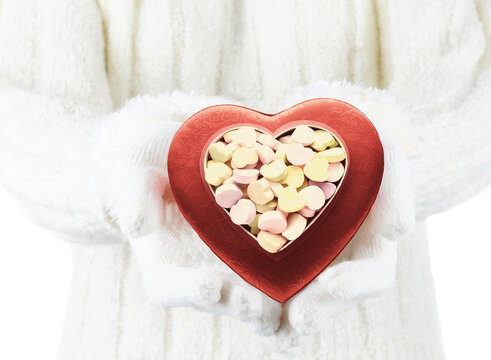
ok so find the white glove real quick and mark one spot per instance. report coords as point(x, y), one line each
point(367, 266)
point(177, 268)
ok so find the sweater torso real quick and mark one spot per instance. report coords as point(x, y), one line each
point(253, 52)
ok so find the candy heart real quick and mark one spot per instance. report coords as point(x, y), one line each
point(297, 154)
point(245, 136)
point(313, 196)
point(270, 242)
point(304, 135)
point(215, 173)
point(273, 263)
point(269, 206)
point(272, 221)
point(316, 169)
point(268, 140)
point(243, 213)
point(274, 171)
point(276, 187)
point(304, 185)
point(220, 152)
point(260, 192)
point(328, 188)
point(253, 225)
point(211, 162)
point(295, 226)
point(294, 176)
point(281, 152)
point(265, 153)
point(336, 171)
point(245, 176)
point(290, 200)
point(227, 195)
point(323, 139)
point(286, 139)
point(229, 180)
point(232, 147)
point(306, 212)
point(244, 156)
point(229, 136)
point(333, 154)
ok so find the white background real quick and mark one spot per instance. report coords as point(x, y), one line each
point(35, 279)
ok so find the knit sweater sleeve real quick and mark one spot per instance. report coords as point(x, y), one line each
point(59, 134)
point(53, 97)
point(436, 61)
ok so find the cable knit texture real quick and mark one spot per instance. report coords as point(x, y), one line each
point(79, 80)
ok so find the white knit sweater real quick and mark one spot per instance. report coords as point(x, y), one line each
point(67, 66)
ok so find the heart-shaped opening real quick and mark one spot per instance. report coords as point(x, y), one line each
point(275, 186)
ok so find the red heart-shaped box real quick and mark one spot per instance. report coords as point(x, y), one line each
point(283, 274)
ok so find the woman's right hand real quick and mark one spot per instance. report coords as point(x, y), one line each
point(176, 266)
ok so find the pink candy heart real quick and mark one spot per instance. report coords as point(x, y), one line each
point(297, 154)
point(243, 213)
point(328, 188)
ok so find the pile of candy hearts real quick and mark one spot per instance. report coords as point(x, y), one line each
point(274, 188)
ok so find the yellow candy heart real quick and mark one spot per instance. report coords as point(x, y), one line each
point(316, 169)
point(323, 139)
point(244, 156)
point(219, 151)
point(281, 152)
point(216, 173)
point(333, 154)
point(211, 162)
point(253, 225)
point(294, 176)
point(229, 136)
point(274, 171)
point(304, 185)
point(290, 200)
point(267, 207)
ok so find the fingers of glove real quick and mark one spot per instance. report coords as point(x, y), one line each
point(174, 285)
point(215, 289)
point(311, 309)
point(369, 273)
point(286, 343)
point(247, 304)
point(303, 316)
point(139, 200)
point(393, 209)
point(138, 180)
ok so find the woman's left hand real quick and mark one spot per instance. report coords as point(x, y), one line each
point(367, 266)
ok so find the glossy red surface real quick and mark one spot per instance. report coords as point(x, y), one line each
point(280, 275)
